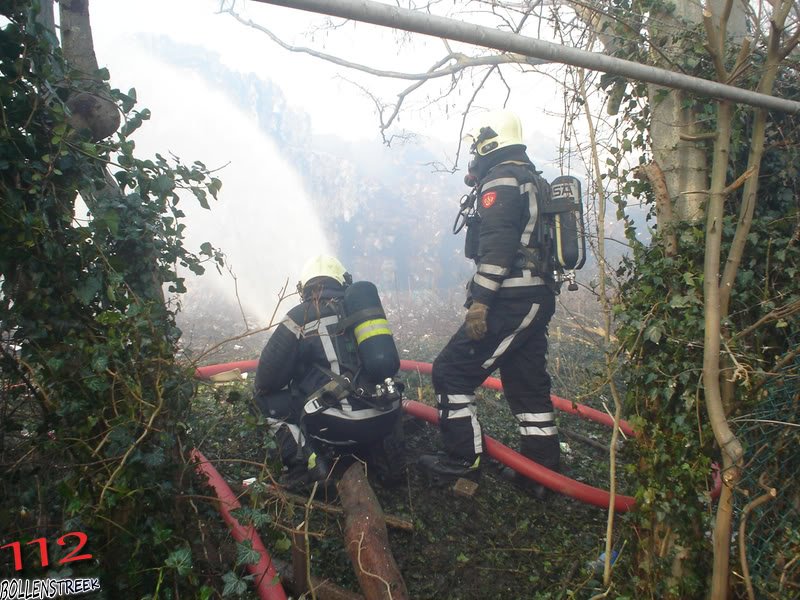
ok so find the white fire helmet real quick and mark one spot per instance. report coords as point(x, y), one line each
point(494, 130)
point(323, 265)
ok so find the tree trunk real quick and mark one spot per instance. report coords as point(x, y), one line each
point(682, 159)
point(76, 36)
point(46, 15)
point(366, 538)
point(91, 110)
point(685, 168)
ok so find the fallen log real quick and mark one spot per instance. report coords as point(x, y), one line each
point(323, 589)
point(366, 539)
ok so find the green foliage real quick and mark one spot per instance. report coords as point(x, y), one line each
point(661, 326)
point(234, 585)
point(246, 554)
point(92, 397)
point(660, 317)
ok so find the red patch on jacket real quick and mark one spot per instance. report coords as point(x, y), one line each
point(488, 199)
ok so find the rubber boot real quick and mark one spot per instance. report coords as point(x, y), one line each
point(303, 464)
point(528, 486)
point(546, 455)
point(443, 468)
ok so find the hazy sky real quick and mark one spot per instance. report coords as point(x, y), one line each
point(264, 221)
point(321, 89)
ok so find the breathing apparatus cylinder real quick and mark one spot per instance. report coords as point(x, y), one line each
point(565, 208)
point(376, 347)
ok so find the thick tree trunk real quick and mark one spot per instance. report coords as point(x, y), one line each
point(76, 35)
point(91, 109)
point(366, 539)
point(46, 15)
point(682, 159)
point(685, 168)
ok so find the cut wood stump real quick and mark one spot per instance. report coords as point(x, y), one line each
point(465, 487)
point(366, 539)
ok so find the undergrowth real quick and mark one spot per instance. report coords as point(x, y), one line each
point(500, 543)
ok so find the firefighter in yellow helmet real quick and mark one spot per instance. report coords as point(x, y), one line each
point(510, 301)
point(313, 388)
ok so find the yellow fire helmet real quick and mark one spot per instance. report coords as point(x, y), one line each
point(323, 265)
point(494, 130)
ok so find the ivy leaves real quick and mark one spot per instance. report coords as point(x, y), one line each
point(90, 235)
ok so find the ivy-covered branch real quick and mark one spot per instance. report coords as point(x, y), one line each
point(92, 391)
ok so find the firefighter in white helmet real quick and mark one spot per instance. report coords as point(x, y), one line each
point(310, 385)
point(510, 301)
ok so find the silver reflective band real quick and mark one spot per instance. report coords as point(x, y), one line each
point(489, 284)
point(289, 323)
point(507, 341)
point(320, 323)
point(359, 415)
point(538, 430)
point(459, 399)
point(498, 182)
point(528, 188)
point(535, 417)
point(276, 424)
point(471, 413)
point(477, 438)
point(459, 413)
point(325, 338)
point(456, 400)
point(492, 269)
point(523, 281)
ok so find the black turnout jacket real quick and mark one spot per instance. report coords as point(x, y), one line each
point(306, 338)
point(507, 205)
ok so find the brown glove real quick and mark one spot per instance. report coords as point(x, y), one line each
point(476, 320)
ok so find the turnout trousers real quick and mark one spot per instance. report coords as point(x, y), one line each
point(516, 344)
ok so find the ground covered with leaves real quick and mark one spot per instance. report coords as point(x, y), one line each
point(501, 543)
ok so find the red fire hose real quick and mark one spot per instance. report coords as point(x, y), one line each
point(425, 368)
point(211, 370)
point(550, 479)
point(504, 454)
point(561, 404)
point(268, 585)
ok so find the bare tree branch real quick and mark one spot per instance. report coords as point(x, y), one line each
point(462, 61)
point(453, 64)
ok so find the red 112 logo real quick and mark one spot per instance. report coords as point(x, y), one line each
point(72, 556)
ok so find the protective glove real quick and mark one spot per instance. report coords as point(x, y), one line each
point(476, 320)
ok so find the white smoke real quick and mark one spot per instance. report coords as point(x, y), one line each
point(263, 220)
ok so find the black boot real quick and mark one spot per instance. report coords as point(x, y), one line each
point(528, 486)
point(444, 467)
point(303, 464)
point(543, 451)
point(302, 472)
